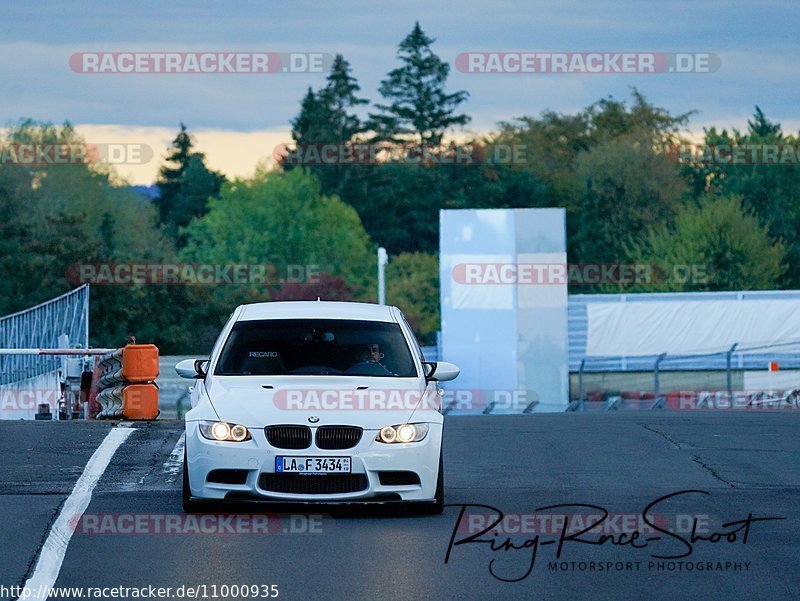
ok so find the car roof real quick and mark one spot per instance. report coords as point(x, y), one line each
point(316, 310)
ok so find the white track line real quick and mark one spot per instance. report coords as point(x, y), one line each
point(174, 463)
point(55, 547)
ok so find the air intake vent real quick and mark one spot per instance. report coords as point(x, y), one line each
point(398, 478)
point(227, 476)
point(300, 484)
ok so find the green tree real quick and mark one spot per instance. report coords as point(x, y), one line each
point(417, 104)
point(282, 219)
point(607, 166)
point(609, 118)
point(53, 218)
point(769, 191)
point(185, 184)
point(630, 186)
point(311, 124)
point(327, 117)
point(714, 245)
point(412, 284)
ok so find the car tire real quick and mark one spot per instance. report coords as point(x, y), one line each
point(189, 506)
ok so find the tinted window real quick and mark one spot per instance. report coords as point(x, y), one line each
point(275, 347)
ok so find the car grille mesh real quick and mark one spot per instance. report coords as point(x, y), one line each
point(338, 437)
point(289, 437)
point(300, 484)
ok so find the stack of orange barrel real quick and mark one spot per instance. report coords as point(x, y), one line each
point(125, 383)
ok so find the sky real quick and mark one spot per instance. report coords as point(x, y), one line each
point(238, 119)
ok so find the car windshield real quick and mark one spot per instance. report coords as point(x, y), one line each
point(329, 347)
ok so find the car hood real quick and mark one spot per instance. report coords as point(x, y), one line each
point(371, 403)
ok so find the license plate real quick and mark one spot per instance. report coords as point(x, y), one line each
point(312, 465)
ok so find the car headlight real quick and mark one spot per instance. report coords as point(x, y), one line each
point(224, 432)
point(402, 433)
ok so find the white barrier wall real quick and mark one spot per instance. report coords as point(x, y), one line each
point(21, 399)
point(504, 308)
point(688, 327)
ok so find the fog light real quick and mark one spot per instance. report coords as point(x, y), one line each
point(406, 433)
point(388, 434)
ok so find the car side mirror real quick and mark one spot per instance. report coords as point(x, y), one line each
point(440, 371)
point(192, 368)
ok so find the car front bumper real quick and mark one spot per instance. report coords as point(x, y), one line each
point(255, 457)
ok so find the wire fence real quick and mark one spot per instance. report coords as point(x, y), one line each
point(43, 326)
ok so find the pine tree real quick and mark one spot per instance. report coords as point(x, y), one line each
point(310, 125)
point(417, 102)
point(326, 117)
point(185, 184)
point(170, 175)
point(763, 127)
point(339, 97)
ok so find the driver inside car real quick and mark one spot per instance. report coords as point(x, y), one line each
point(368, 360)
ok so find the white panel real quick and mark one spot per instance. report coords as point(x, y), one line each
point(549, 272)
point(688, 327)
point(771, 380)
point(473, 282)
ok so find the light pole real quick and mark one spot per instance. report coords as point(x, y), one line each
point(383, 259)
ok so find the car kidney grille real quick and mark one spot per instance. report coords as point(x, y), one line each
point(338, 437)
point(302, 484)
point(289, 437)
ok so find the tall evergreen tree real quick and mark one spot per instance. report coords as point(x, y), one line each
point(763, 127)
point(326, 117)
point(185, 184)
point(310, 126)
point(417, 103)
point(339, 97)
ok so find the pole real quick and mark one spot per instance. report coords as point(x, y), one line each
point(728, 381)
point(656, 379)
point(383, 259)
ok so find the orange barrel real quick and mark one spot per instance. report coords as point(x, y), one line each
point(140, 401)
point(140, 362)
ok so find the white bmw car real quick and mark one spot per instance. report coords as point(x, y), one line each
point(315, 402)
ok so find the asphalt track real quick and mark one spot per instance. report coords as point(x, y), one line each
point(739, 463)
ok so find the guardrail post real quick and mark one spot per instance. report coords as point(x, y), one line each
point(656, 382)
point(728, 379)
